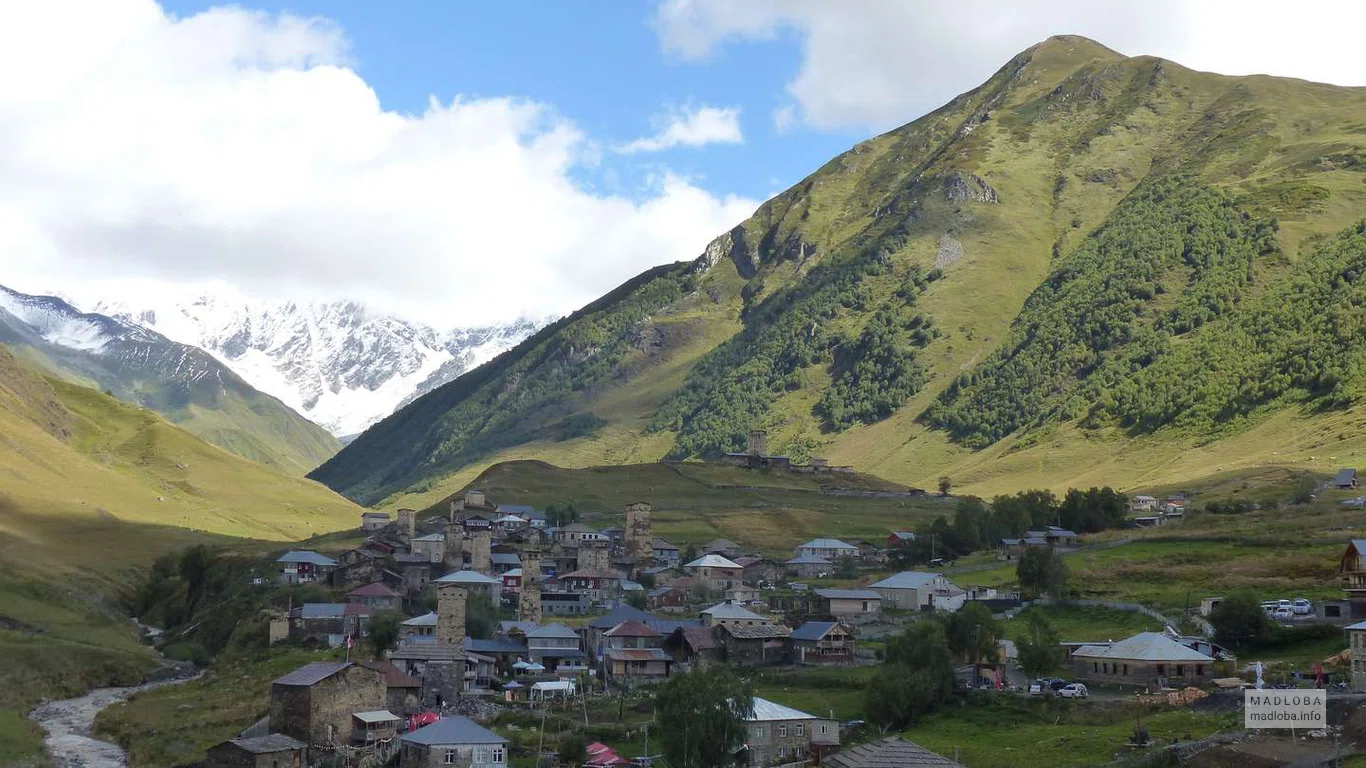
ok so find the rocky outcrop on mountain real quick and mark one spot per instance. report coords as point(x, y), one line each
point(962, 186)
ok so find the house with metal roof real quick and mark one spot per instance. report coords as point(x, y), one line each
point(377, 596)
point(891, 752)
point(664, 551)
point(717, 572)
point(315, 702)
point(830, 549)
point(304, 567)
point(633, 650)
point(731, 613)
point(1144, 659)
point(916, 591)
point(503, 562)
point(823, 642)
point(747, 645)
point(1345, 479)
point(723, 547)
point(453, 740)
point(270, 751)
point(845, 604)
point(1352, 571)
point(555, 646)
point(780, 735)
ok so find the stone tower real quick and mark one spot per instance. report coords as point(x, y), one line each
point(455, 547)
point(481, 552)
point(458, 511)
point(594, 555)
point(758, 443)
point(639, 542)
point(450, 615)
point(407, 525)
point(529, 601)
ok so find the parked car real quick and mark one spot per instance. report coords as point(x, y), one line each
point(1073, 691)
point(1302, 607)
point(1283, 613)
point(1046, 685)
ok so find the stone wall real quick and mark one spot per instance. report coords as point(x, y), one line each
point(594, 555)
point(639, 541)
point(321, 713)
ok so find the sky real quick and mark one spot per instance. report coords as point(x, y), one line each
point(463, 163)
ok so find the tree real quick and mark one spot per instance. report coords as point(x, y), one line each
point(384, 628)
point(1303, 491)
point(846, 568)
point(1038, 649)
point(194, 567)
point(481, 615)
point(706, 710)
point(636, 600)
point(916, 676)
point(573, 750)
point(1239, 621)
point(1041, 572)
point(945, 485)
point(972, 524)
point(973, 633)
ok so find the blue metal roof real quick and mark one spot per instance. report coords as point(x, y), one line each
point(305, 556)
point(453, 730)
point(813, 630)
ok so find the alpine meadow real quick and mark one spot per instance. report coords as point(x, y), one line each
point(1091, 269)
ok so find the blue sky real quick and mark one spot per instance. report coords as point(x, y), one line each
point(598, 63)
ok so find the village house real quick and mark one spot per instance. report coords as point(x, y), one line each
point(664, 552)
point(475, 582)
point(373, 521)
point(779, 735)
point(828, 549)
point(565, 604)
point(900, 539)
point(742, 594)
point(747, 645)
point(503, 562)
point(823, 642)
point(512, 581)
point(716, 572)
point(376, 596)
point(420, 629)
point(845, 604)
point(593, 632)
point(891, 752)
point(809, 567)
point(1143, 504)
point(274, 750)
point(415, 570)
point(432, 547)
point(304, 567)
point(576, 532)
point(453, 740)
point(918, 590)
point(723, 547)
point(667, 598)
point(759, 570)
point(1356, 643)
point(503, 651)
point(553, 646)
point(1352, 570)
point(634, 651)
point(328, 624)
point(376, 726)
point(693, 646)
point(1147, 659)
point(403, 692)
point(315, 702)
point(1346, 479)
point(730, 613)
point(597, 585)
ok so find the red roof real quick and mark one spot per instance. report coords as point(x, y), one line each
point(356, 609)
point(393, 676)
point(632, 629)
point(602, 756)
point(373, 589)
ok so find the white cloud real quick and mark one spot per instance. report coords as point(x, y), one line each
point(879, 64)
point(694, 128)
point(239, 147)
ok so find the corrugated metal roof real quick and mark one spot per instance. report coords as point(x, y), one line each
point(590, 573)
point(757, 631)
point(1145, 646)
point(848, 594)
point(425, 620)
point(468, 577)
point(306, 556)
point(637, 654)
point(493, 646)
point(632, 629)
point(264, 745)
point(768, 711)
point(826, 544)
point(808, 560)
point(730, 611)
point(700, 638)
point(322, 610)
point(310, 674)
point(713, 561)
point(376, 716)
point(428, 651)
point(453, 730)
point(431, 537)
point(812, 631)
point(906, 580)
point(617, 615)
point(891, 752)
point(505, 558)
point(1358, 625)
point(552, 630)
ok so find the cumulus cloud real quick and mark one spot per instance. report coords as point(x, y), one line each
point(879, 64)
point(691, 128)
point(240, 147)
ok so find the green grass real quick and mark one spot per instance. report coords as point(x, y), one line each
point(1085, 623)
point(22, 739)
point(819, 691)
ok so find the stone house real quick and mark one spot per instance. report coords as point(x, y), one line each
point(453, 740)
point(598, 585)
point(1352, 571)
point(415, 569)
point(753, 646)
point(809, 566)
point(1144, 659)
point(889, 752)
point(722, 547)
point(373, 521)
point(305, 567)
point(912, 590)
point(1356, 643)
point(664, 552)
point(716, 572)
point(376, 596)
point(574, 533)
point(823, 642)
point(693, 646)
point(315, 702)
point(635, 651)
point(742, 594)
point(555, 645)
point(779, 735)
point(328, 624)
point(758, 570)
point(432, 546)
point(403, 692)
point(564, 604)
point(843, 604)
point(275, 750)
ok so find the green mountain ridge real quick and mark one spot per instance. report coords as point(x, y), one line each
point(1010, 290)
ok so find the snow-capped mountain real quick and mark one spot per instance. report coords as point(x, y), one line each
point(184, 383)
point(336, 363)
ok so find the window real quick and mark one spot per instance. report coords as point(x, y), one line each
point(498, 755)
point(451, 757)
point(1095, 667)
point(1199, 669)
point(481, 756)
point(782, 751)
point(782, 730)
point(801, 729)
point(1161, 669)
point(1126, 669)
point(758, 732)
point(1180, 669)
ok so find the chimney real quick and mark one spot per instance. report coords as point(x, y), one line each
point(450, 615)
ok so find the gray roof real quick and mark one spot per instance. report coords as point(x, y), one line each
point(264, 745)
point(826, 544)
point(757, 631)
point(904, 535)
point(848, 594)
point(1145, 646)
point(505, 558)
point(730, 611)
point(906, 580)
point(1345, 476)
point(713, 561)
point(453, 730)
point(425, 620)
point(766, 711)
point(507, 625)
point(468, 577)
point(310, 674)
point(808, 560)
point(376, 716)
point(431, 537)
point(476, 645)
point(891, 752)
point(322, 610)
point(306, 556)
point(429, 651)
point(813, 630)
point(552, 630)
point(662, 544)
point(618, 615)
point(517, 509)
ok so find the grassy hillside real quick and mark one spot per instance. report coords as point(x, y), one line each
point(974, 294)
point(91, 491)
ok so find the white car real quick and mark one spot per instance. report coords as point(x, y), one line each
point(1302, 607)
point(1073, 691)
point(1283, 613)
